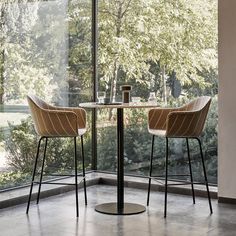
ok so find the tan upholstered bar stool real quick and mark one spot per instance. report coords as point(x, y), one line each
point(51, 122)
point(183, 122)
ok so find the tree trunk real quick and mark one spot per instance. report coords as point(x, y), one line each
point(164, 85)
point(2, 77)
point(114, 81)
point(116, 62)
point(2, 57)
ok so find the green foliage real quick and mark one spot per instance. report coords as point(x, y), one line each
point(138, 146)
point(106, 148)
point(140, 42)
point(80, 47)
point(33, 45)
point(180, 36)
point(21, 146)
point(12, 179)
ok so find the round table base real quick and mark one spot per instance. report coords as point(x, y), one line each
point(111, 208)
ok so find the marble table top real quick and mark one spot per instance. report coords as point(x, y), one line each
point(118, 105)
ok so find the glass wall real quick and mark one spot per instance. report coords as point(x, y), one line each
point(165, 47)
point(160, 46)
point(45, 50)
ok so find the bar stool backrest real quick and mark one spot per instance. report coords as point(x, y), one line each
point(50, 121)
point(190, 119)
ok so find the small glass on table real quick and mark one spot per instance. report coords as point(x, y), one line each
point(152, 98)
point(136, 100)
point(101, 96)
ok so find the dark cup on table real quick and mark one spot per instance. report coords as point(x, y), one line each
point(107, 101)
point(126, 89)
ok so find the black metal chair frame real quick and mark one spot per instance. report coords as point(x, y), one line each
point(76, 175)
point(183, 183)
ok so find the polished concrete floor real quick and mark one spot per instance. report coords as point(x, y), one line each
point(56, 216)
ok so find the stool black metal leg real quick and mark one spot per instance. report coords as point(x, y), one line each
point(82, 152)
point(150, 170)
point(205, 175)
point(34, 171)
point(76, 181)
point(166, 177)
point(190, 170)
point(41, 175)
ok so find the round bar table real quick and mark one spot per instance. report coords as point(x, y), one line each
point(119, 207)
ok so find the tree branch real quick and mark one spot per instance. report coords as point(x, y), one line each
point(127, 7)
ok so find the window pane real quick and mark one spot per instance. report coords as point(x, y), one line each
point(165, 47)
point(45, 50)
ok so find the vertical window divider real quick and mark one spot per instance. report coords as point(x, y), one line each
point(94, 80)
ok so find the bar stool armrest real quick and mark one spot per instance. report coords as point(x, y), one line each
point(80, 113)
point(157, 117)
point(183, 124)
point(58, 123)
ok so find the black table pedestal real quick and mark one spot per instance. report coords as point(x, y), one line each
point(119, 207)
point(128, 209)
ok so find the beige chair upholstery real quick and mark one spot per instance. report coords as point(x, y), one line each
point(185, 121)
point(52, 121)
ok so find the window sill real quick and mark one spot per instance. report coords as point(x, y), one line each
point(20, 195)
